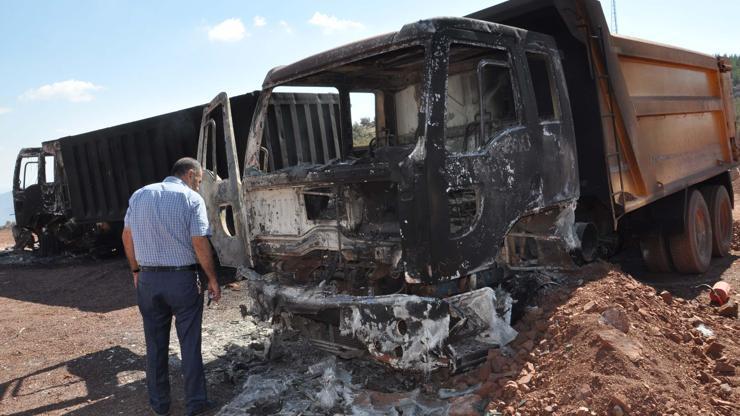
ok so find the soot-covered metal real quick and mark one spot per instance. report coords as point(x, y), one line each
point(392, 248)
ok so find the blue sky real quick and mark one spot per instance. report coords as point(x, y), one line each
point(67, 67)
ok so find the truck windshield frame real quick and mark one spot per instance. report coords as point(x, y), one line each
point(396, 76)
point(503, 96)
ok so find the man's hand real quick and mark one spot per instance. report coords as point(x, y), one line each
point(214, 291)
point(128, 248)
point(203, 252)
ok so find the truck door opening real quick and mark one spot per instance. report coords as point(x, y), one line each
point(30, 172)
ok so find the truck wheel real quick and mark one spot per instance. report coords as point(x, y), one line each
point(655, 253)
point(720, 215)
point(691, 250)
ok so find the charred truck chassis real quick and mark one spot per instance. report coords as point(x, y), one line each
point(392, 249)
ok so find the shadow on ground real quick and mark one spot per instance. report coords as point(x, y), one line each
point(106, 382)
point(82, 283)
point(682, 285)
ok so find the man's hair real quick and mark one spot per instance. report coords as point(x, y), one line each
point(182, 166)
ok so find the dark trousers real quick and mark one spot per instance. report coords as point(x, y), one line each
point(160, 296)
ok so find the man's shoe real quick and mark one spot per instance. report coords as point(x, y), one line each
point(165, 413)
point(205, 407)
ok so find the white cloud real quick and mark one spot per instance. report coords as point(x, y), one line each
point(259, 21)
point(331, 24)
point(230, 30)
point(286, 27)
point(4, 110)
point(71, 90)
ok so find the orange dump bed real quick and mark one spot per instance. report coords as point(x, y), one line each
point(678, 121)
point(650, 119)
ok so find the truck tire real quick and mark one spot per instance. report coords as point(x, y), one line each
point(720, 214)
point(691, 250)
point(655, 253)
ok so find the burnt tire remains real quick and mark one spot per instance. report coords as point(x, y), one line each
point(720, 215)
point(691, 250)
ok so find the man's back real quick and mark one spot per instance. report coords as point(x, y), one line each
point(163, 218)
point(166, 242)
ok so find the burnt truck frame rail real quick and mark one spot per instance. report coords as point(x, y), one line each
point(497, 150)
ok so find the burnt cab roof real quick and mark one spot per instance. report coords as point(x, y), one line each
point(409, 34)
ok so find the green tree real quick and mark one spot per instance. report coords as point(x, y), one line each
point(735, 61)
point(363, 132)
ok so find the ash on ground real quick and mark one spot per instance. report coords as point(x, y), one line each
point(596, 341)
point(291, 377)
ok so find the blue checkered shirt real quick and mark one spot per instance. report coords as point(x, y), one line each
point(163, 217)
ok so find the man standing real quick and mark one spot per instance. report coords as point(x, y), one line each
point(165, 234)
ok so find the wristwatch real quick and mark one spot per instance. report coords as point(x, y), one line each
point(136, 270)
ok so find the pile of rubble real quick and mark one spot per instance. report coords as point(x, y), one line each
point(607, 344)
point(598, 342)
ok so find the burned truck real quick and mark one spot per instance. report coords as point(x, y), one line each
point(72, 193)
point(523, 137)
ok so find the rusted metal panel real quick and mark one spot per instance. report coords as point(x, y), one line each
point(681, 123)
point(646, 50)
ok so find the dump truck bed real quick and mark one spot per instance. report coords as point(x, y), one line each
point(650, 119)
point(102, 168)
point(681, 131)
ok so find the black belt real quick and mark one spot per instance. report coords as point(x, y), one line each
point(192, 267)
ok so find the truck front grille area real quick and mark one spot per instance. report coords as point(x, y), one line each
point(464, 207)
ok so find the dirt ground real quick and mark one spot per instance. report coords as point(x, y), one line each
point(6, 238)
point(71, 342)
point(71, 338)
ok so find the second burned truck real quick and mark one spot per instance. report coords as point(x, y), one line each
point(519, 138)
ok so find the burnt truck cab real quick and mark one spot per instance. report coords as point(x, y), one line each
point(35, 197)
point(44, 220)
point(391, 247)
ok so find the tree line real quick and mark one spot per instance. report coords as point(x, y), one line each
point(735, 60)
